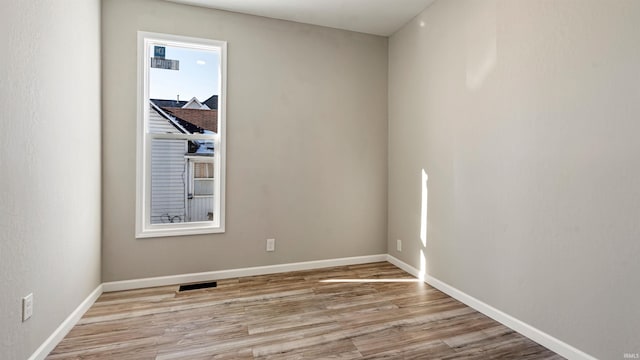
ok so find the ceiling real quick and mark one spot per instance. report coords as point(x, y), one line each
point(378, 17)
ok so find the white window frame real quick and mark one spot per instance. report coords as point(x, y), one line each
point(144, 227)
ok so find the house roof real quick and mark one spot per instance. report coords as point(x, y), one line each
point(183, 126)
point(202, 119)
point(193, 120)
point(196, 147)
point(169, 103)
point(194, 103)
point(212, 102)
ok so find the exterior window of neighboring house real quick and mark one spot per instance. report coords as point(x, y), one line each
point(181, 135)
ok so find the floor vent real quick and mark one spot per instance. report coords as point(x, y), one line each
point(198, 286)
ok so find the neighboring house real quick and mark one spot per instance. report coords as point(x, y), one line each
point(181, 171)
point(212, 102)
point(195, 104)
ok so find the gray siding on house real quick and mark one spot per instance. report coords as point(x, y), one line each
point(200, 208)
point(168, 179)
point(159, 125)
point(168, 173)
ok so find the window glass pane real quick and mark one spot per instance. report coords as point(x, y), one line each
point(178, 192)
point(183, 100)
point(195, 76)
point(203, 170)
point(203, 187)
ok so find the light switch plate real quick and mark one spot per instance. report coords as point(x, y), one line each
point(271, 244)
point(27, 307)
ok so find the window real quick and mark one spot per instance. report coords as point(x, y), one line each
point(181, 135)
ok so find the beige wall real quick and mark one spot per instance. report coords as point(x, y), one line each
point(49, 165)
point(524, 115)
point(306, 151)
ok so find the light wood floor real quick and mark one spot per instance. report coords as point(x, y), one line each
point(371, 311)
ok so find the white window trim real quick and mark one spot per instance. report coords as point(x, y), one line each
point(144, 228)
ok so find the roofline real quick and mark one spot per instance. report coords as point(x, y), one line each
point(193, 99)
point(171, 119)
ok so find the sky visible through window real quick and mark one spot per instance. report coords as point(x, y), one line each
point(198, 75)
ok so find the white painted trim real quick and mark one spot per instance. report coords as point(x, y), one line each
point(232, 273)
point(54, 339)
point(144, 228)
point(403, 265)
point(542, 338)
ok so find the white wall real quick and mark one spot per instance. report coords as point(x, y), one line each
point(49, 165)
point(525, 116)
point(306, 149)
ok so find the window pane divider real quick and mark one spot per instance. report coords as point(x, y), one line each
point(183, 136)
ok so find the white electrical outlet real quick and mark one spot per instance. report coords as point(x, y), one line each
point(399, 245)
point(27, 307)
point(271, 244)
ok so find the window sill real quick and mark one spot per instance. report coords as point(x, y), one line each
point(178, 231)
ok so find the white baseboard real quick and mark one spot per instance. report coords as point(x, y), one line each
point(509, 321)
point(226, 274)
point(404, 266)
point(66, 326)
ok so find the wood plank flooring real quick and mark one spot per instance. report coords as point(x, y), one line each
point(370, 311)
